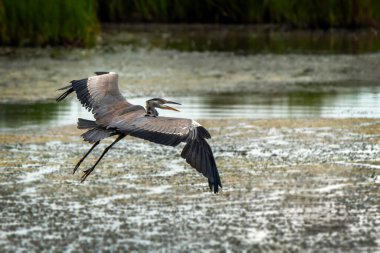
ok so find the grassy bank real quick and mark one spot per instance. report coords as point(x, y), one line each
point(71, 22)
point(312, 14)
point(43, 22)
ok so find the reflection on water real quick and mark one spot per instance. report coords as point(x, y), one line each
point(242, 39)
point(17, 115)
point(358, 102)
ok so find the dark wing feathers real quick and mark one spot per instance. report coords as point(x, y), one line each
point(164, 137)
point(161, 130)
point(66, 93)
point(83, 94)
point(203, 133)
point(98, 73)
point(171, 132)
point(198, 154)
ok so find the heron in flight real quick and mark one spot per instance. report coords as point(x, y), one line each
point(115, 116)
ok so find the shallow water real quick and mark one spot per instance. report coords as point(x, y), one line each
point(243, 39)
point(353, 102)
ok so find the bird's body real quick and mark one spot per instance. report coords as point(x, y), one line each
point(114, 115)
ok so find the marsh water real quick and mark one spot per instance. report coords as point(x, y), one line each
point(352, 103)
point(243, 39)
point(295, 125)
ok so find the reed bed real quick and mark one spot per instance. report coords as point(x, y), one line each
point(76, 22)
point(45, 22)
point(298, 13)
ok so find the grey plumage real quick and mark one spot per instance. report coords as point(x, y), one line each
point(114, 115)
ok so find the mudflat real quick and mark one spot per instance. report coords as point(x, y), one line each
point(287, 185)
point(32, 75)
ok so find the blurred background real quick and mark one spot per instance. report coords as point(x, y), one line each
point(78, 23)
point(289, 90)
point(295, 45)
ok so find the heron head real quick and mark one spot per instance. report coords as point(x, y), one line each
point(153, 103)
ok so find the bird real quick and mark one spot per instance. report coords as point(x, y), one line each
point(115, 116)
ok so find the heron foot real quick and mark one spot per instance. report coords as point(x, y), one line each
point(86, 173)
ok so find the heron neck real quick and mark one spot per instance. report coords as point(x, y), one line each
point(151, 111)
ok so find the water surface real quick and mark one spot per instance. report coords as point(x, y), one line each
point(242, 39)
point(352, 103)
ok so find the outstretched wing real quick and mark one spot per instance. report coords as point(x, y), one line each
point(97, 91)
point(172, 131)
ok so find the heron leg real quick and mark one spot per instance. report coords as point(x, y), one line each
point(82, 159)
point(88, 172)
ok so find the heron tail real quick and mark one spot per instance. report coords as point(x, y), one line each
point(97, 134)
point(85, 123)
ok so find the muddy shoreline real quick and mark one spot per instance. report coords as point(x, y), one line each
point(289, 185)
point(157, 72)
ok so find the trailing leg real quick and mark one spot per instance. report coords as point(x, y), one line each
point(88, 172)
point(82, 159)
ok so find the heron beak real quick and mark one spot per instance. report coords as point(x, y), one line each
point(169, 107)
point(171, 102)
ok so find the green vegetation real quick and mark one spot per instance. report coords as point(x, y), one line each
point(45, 22)
point(76, 22)
point(299, 13)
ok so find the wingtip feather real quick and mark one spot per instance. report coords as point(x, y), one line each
point(65, 94)
point(98, 73)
